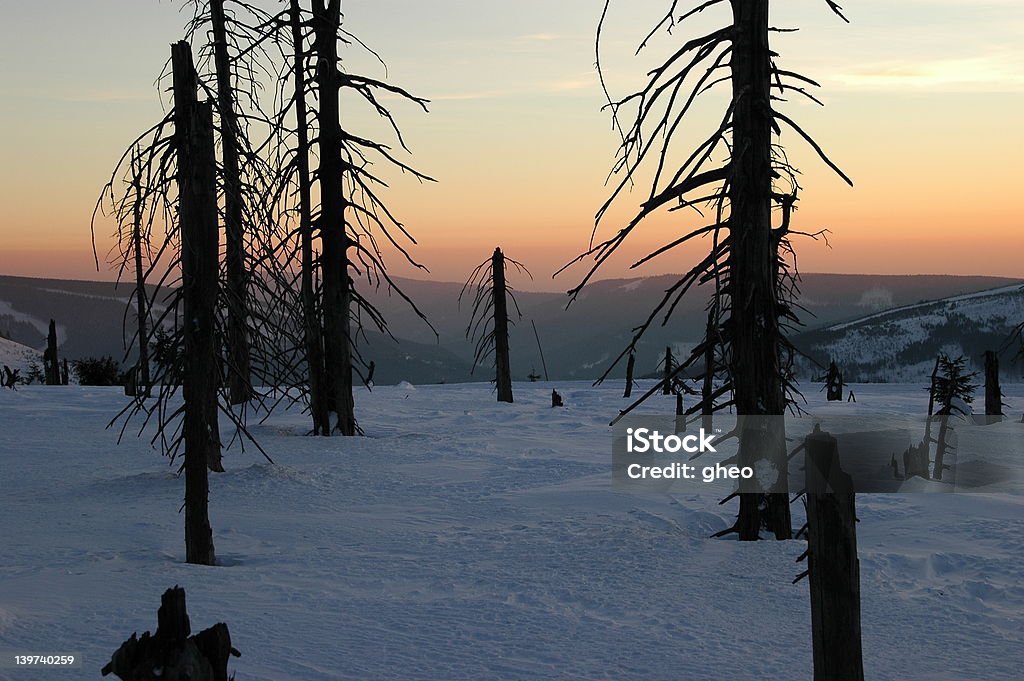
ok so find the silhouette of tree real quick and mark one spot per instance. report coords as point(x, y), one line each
point(331, 245)
point(489, 319)
point(751, 264)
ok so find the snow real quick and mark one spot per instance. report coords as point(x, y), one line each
point(466, 539)
point(17, 356)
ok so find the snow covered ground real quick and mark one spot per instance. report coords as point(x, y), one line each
point(464, 539)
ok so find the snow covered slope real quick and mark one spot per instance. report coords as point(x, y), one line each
point(468, 540)
point(17, 356)
point(901, 344)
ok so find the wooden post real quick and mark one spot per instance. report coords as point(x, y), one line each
point(197, 191)
point(833, 566)
point(313, 332)
point(666, 388)
point(239, 363)
point(993, 394)
point(334, 261)
point(630, 366)
point(51, 364)
point(502, 364)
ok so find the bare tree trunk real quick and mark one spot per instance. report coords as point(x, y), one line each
point(502, 364)
point(833, 566)
point(667, 372)
point(142, 372)
point(755, 362)
point(337, 291)
point(707, 390)
point(239, 363)
point(199, 245)
point(313, 332)
point(51, 364)
point(630, 365)
point(993, 394)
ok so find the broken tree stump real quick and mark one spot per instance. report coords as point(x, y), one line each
point(833, 566)
point(171, 654)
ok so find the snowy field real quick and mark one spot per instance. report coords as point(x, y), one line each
point(464, 539)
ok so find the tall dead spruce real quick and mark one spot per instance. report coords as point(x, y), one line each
point(751, 263)
point(338, 244)
point(489, 320)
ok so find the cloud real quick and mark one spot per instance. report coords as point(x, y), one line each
point(987, 73)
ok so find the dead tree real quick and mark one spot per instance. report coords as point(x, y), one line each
point(667, 371)
point(952, 391)
point(993, 394)
point(197, 184)
point(833, 383)
point(10, 377)
point(489, 319)
point(141, 373)
point(630, 366)
point(751, 264)
point(51, 364)
point(171, 653)
point(832, 563)
point(239, 379)
point(312, 328)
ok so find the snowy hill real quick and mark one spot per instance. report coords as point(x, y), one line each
point(464, 540)
point(17, 356)
point(578, 342)
point(900, 345)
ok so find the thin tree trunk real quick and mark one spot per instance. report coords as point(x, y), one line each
point(337, 291)
point(502, 364)
point(993, 393)
point(142, 372)
point(199, 244)
point(51, 364)
point(239, 363)
point(752, 288)
point(667, 372)
point(630, 365)
point(707, 390)
point(313, 332)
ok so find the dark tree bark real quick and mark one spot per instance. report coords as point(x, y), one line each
point(752, 287)
point(51, 364)
point(199, 245)
point(313, 333)
point(171, 653)
point(238, 355)
point(707, 398)
point(141, 375)
point(833, 566)
point(666, 387)
point(502, 363)
point(630, 366)
point(993, 393)
point(337, 286)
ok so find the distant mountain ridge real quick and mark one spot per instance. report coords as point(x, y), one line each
point(578, 342)
point(900, 345)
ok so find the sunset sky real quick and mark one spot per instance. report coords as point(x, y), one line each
point(924, 107)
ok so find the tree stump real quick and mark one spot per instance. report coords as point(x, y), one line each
point(171, 654)
point(556, 399)
point(833, 566)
